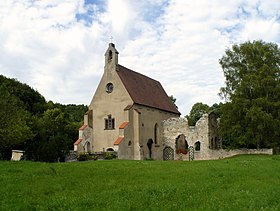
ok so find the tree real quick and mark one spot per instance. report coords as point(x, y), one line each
point(173, 100)
point(251, 115)
point(51, 141)
point(32, 100)
point(197, 111)
point(46, 131)
point(14, 129)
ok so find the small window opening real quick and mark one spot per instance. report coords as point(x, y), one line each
point(156, 133)
point(109, 123)
point(197, 146)
point(110, 55)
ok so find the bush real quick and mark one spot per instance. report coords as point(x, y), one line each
point(110, 155)
point(83, 157)
point(86, 156)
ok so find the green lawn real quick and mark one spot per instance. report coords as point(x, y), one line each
point(240, 183)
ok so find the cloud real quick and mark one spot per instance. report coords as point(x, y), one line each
point(57, 47)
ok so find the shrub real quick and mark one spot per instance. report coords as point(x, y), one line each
point(110, 155)
point(86, 156)
point(83, 157)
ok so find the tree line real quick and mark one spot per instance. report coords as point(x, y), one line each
point(45, 130)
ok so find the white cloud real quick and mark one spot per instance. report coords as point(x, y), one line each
point(43, 44)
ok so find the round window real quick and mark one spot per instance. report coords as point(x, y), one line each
point(109, 87)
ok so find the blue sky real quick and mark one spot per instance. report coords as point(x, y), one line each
point(57, 46)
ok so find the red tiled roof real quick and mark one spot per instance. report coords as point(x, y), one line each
point(145, 91)
point(78, 141)
point(118, 141)
point(83, 127)
point(123, 125)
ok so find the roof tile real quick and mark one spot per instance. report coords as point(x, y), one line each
point(145, 91)
point(83, 127)
point(118, 141)
point(78, 141)
point(123, 125)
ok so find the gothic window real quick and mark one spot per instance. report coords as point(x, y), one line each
point(156, 133)
point(109, 123)
point(197, 146)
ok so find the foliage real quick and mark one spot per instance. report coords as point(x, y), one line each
point(51, 142)
point(173, 100)
point(110, 155)
point(240, 183)
point(14, 119)
point(251, 117)
point(83, 157)
point(32, 101)
point(45, 130)
point(197, 111)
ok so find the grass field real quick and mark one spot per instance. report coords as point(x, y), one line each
point(241, 183)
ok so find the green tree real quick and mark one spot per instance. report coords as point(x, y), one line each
point(51, 142)
point(32, 101)
point(14, 128)
point(251, 115)
point(197, 111)
point(173, 100)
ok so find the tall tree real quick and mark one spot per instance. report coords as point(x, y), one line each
point(251, 115)
point(173, 100)
point(197, 111)
point(14, 129)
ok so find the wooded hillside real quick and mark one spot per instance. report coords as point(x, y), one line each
point(45, 130)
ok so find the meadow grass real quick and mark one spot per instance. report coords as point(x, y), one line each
point(241, 183)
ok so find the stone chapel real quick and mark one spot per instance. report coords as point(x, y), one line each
point(131, 114)
point(125, 114)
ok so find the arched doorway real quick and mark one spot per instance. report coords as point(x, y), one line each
point(168, 153)
point(181, 144)
point(110, 150)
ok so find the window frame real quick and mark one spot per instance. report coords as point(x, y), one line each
point(109, 123)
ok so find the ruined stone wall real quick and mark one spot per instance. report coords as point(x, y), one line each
point(174, 127)
point(206, 132)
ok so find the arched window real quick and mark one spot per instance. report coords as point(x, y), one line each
point(156, 133)
point(197, 146)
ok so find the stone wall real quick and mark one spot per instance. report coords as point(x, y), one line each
point(174, 127)
point(204, 132)
point(220, 154)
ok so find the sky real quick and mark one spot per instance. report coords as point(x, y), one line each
point(57, 46)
